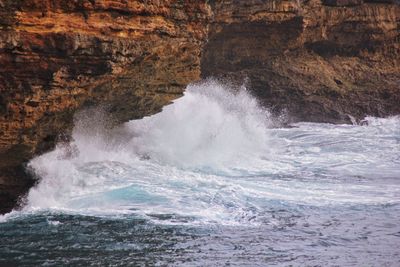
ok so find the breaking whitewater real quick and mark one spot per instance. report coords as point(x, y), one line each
point(212, 180)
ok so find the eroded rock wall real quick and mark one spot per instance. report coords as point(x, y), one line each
point(57, 56)
point(318, 60)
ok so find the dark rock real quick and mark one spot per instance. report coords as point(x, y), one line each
point(340, 3)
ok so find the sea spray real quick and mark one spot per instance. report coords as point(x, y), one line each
point(210, 127)
point(213, 130)
point(216, 155)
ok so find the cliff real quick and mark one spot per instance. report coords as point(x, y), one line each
point(324, 61)
point(57, 56)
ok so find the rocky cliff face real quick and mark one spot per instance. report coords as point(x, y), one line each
point(57, 56)
point(318, 60)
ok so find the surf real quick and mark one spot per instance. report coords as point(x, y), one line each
point(216, 156)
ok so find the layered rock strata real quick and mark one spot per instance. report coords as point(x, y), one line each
point(324, 61)
point(57, 56)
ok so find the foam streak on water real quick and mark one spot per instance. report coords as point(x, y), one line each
point(232, 185)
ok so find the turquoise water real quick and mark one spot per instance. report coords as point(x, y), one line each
point(213, 180)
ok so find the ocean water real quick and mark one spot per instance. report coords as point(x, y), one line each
point(212, 180)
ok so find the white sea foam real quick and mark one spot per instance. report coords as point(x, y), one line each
point(215, 154)
point(210, 127)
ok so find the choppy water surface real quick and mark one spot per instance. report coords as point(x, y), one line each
point(213, 180)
